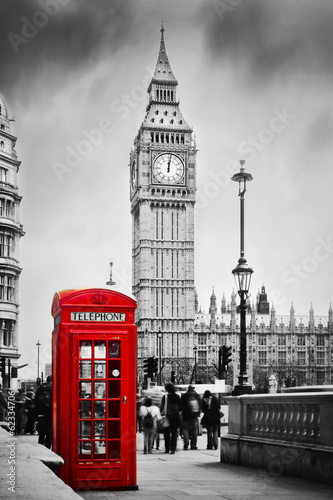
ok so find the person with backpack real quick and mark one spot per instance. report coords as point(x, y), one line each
point(191, 407)
point(150, 415)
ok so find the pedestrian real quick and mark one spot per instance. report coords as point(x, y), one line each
point(191, 408)
point(170, 408)
point(20, 416)
point(211, 419)
point(44, 414)
point(150, 415)
point(3, 406)
point(30, 407)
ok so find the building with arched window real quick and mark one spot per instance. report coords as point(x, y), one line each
point(10, 233)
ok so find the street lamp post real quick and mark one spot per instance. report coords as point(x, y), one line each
point(159, 357)
point(195, 362)
point(242, 274)
point(38, 344)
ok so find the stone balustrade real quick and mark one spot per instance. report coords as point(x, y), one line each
point(261, 426)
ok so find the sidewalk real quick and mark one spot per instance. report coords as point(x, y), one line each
point(199, 474)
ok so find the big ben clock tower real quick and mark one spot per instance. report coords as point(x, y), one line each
point(162, 179)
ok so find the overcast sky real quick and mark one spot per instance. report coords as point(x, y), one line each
point(255, 82)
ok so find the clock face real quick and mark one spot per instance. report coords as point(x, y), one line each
point(133, 174)
point(115, 372)
point(168, 169)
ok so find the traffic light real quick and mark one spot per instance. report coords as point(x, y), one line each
point(151, 365)
point(2, 366)
point(155, 365)
point(173, 377)
point(226, 356)
point(145, 366)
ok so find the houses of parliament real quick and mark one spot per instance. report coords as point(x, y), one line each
point(170, 325)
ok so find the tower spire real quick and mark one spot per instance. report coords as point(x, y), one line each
point(163, 72)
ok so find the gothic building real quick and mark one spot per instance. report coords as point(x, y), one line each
point(170, 327)
point(10, 232)
point(302, 345)
point(162, 185)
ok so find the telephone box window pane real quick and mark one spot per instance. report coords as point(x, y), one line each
point(84, 429)
point(114, 388)
point(114, 428)
point(84, 409)
point(114, 349)
point(85, 390)
point(114, 368)
point(100, 369)
point(99, 409)
point(114, 409)
point(85, 369)
point(99, 429)
point(114, 450)
point(84, 449)
point(100, 390)
point(85, 349)
point(100, 349)
point(99, 449)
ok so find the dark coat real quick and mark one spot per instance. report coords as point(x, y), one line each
point(173, 409)
point(211, 411)
point(191, 404)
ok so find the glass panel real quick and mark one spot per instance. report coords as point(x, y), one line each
point(100, 369)
point(114, 428)
point(114, 409)
point(99, 409)
point(84, 429)
point(100, 390)
point(114, 388)
point(100, 349)
point(114, 450)
point(85, 369)
point(85, 390)
point(85, 349)
point(84, 449)
point(99, 449)
point(99, 428)
point(84, 409)
point(114, 368)
point(114, 349)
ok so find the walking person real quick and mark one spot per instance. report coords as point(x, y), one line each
point(30, 412)
point(44, 414)
point(150, 415)
point(170, 408)
point(191, 407)
point(211, 419)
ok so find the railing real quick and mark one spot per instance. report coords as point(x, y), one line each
point(298, 417)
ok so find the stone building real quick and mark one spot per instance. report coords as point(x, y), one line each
point(170, 327)
point(299, 346)
point(10, 233)
point(162, 194)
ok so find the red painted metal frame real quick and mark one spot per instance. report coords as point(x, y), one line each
point(92, 473)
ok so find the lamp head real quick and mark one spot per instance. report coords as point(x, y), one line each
point(242, 274)
point(242, 177)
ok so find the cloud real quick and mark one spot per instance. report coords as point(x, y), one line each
point(41, 35)
point(268, 38)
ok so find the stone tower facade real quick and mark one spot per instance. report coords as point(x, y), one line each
point(163, 187)
point(10, 233)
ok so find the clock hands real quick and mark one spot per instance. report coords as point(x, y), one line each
point(168, 169)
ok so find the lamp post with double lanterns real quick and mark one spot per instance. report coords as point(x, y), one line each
point(242, 274)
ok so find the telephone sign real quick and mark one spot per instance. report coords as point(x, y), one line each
point(94, 388)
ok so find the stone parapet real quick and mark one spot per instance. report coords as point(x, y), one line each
point(291, 433)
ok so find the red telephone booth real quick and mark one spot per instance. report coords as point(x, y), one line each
point(94, 388)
